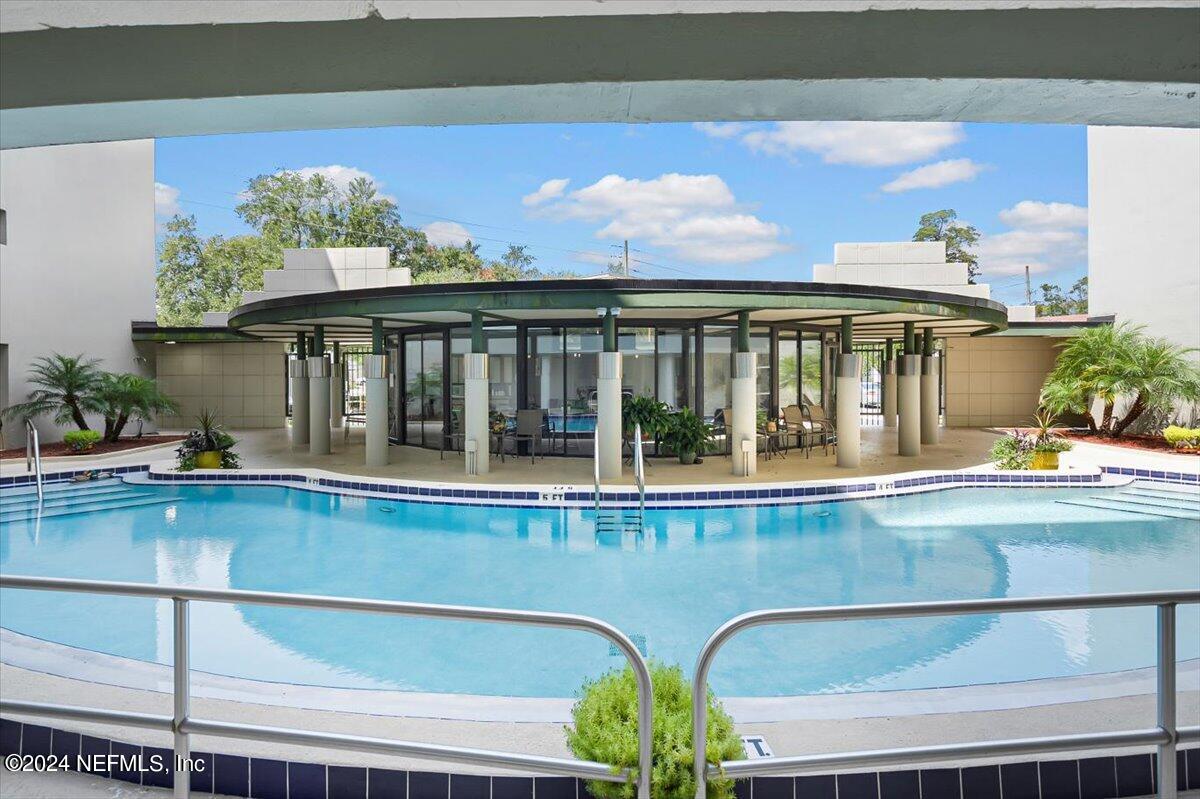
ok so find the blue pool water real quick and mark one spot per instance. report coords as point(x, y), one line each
point(693, 570)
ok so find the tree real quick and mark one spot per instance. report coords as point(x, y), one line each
point(943, 226)
point(65, 389)
point(313, 211)
point(1112, 362)
point(121, 397)
point(198, 274)
point(1056, 302)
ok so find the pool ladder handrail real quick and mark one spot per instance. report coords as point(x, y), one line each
point(639, 476)
point(183, 724)
point(1166, 735)
point(33, 454)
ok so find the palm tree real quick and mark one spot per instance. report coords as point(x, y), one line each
point(65, 388)
point(1110, 362)
point(121, 397)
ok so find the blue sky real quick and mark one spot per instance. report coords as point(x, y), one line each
point(753, 201)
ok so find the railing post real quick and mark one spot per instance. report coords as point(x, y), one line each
point(1167, 788)
point(182, 697)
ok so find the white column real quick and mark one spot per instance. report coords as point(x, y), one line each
point(849, 432)
point(608, 414)
point(337, 395)
point(908, 397)
point(298, 376)
point(318, 405)
point(475, 409)
point(888, 378)
point(745, 427)
point(930, 434)
point(375, 372)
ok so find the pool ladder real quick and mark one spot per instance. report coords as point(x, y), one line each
point(620, 520)
point(33, 456)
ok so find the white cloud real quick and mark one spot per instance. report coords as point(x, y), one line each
point(1044, 237)
point(693, 217)
point(857, 143)
point(719, 130)
point(547, 191)
point(1031, 213)
point(166, 200)
point(442, 233)
point(341, 176)
point(934, 176)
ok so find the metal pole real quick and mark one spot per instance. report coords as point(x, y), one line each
point(1167, 788)
point(183, 701)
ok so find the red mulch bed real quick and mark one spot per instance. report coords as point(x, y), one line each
point(1156, 443)
point(61, 450)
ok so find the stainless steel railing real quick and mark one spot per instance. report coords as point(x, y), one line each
point(1165, 735)
point(639, 475)
point(183, 725)
point(33, 455)
point(596, 469)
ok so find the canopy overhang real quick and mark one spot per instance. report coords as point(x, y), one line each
point(876, 312)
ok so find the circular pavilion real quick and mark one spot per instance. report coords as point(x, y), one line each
point(447, 360)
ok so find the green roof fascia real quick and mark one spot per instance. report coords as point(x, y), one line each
point(1045, 332)
point(186, 335)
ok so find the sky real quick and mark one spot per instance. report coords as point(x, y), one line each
point(713, 200)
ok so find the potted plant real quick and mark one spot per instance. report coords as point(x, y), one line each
point(687, 435)
point(1047, 442)
point(207, 447)
point(646, 411)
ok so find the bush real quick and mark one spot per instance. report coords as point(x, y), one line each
point(1013, 452)
point(81, 440)
point(605, 730)
point(1053, 444)
point(1182, 437)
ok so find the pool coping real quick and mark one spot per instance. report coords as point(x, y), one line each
point(75, 663)
point(626, 497)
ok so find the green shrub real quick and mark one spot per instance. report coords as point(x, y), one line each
point(605, 730)
point(1013, 452)
point(1053, 444)
point(81, 440)
point(1182, 437)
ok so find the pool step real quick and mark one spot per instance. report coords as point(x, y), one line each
point(619, 520)
point(13, 502)
point(1157, 500)
point(57, 489)
point(133, 500)
point(1137, 509)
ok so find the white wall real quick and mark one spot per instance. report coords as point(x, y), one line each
point(79, 263)
point(1144, 229)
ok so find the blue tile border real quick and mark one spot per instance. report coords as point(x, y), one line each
point(672, 497)
point(236, 775)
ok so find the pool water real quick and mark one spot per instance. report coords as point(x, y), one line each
point(691, 571)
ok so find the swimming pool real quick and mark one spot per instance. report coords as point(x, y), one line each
point(692, 570)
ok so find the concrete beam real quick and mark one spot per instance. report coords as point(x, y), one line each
point(72, 72)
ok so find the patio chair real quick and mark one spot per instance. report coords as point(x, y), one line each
point(795, 424)
point(821, 425)
point(455, 436)
point(531, 427)
point(723, 426)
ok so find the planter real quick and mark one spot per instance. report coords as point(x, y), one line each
point(1045, 461)
point(210, 459)
point(687, 458)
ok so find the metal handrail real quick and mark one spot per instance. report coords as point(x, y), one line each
point(596, 469)
point(1166, 735)
point(183, 725)
point(33, 452)
point(639, 474)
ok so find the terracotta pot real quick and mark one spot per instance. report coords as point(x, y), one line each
point(208, 460)
point(1045, 461)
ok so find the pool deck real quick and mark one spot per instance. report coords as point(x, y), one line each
point(960, 448)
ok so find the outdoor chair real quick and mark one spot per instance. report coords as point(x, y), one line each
point(821, 425)
point(531, 427)
point(455, 437)
point(795, 424)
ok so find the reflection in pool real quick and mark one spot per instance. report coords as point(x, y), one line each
point(691, 571)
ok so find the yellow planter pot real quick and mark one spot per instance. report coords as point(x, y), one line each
point(1045, 460)
point(208, 460)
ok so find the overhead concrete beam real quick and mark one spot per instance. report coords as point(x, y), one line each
point(74, 72)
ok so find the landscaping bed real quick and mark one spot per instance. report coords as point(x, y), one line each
point(1155, 443)
point(61, 450)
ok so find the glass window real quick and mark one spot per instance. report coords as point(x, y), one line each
point(718, 363)
point(412, 390)
point(432, 368)
point(810, 368)
point(674, 367)
point(636, 345)
point(788, 367)
point(760, 342)
point(581, 364)
point(460, 346)
point(502, 369)
point(544, 371)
